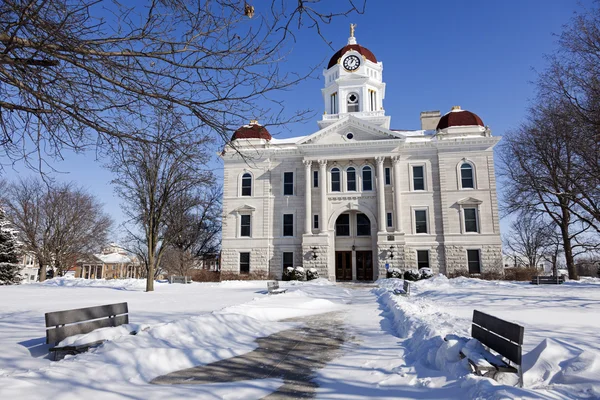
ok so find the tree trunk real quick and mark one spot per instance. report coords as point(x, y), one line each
point(150, 277)
point(42, 272)
point(564, 230)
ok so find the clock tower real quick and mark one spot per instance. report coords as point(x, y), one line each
point(354, 85)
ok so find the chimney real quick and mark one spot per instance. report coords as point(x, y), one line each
point(429, 120)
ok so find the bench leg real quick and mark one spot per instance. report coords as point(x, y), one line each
point(520, 372)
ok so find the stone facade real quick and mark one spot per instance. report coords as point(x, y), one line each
point(355, 197)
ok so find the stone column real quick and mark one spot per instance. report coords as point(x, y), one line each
point(323, 184)
point(307, 198)
point(380, 193)
point(397, 194)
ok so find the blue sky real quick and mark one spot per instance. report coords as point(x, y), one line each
point(481, 55)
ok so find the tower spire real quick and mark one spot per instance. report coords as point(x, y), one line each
point(352, 39)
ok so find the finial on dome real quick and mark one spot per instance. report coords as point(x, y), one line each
point(253, 122)
point(352, 39)
point(455, 108)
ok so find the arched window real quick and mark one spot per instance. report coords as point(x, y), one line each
point(342, 225)
point(352, 102)
point(363, 225)
point(466, 176)
point(247, 184)
point(351, 179)
point(335, 180)
point(367, 179)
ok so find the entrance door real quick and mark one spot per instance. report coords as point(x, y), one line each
point(343, 265)
point(364, 265)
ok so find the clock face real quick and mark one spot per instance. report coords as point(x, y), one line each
point(351, 63)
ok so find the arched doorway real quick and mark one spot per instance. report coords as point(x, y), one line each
point(353, 247)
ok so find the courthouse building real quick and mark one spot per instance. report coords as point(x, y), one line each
point(356, 197)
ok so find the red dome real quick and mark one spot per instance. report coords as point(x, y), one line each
point(252, 131)
point(356, 47)
point(458, 117)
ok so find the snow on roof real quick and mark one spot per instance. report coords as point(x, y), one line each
point(291, 140)
point(114, 258)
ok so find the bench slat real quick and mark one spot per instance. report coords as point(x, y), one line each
point(55, 335)
point(509, 330)
point(84, 314)
point(505, 347)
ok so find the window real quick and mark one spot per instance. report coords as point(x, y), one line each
point(316, 179)
point(388, 176)
point(288, 259)
point(245, 226)
point(466, 176)
point(288, 224)
point(420, 221)
point(367, 181)
point(246, 184)
point(288, 183)
point(470, 219)
point(363, 225)
point(316, 221)
point(334, 103)
point(335, 180)
point(342, 225)
point(351, 179)
point(352, 102)
point(244, 263)
point(418, 177)
point(372, 100)
point(474, 261)
point(422, 259)
point(389, 220)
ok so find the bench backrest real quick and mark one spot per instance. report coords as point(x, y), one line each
point(502, 336)
point(180, 279)
point(548, 279)
point(406, 287)
point(273, 285)
point(62, 324)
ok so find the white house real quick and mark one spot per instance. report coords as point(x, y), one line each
point(355, 196)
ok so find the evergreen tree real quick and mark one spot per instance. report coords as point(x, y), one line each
point(9, 246)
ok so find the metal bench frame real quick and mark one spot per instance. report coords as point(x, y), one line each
point(547, 280)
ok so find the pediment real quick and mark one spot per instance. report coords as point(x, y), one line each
point(469, 201)
point(361, 130)
point(245, 209)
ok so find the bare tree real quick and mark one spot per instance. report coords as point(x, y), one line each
point(153, 175)
point(529, 239)
point(72, 71)
point(57, 221)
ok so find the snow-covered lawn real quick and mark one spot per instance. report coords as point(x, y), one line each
point(396, 347)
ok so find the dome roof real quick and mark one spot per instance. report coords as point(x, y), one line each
point(458, 117)
point(252, 131)
point(356, 47)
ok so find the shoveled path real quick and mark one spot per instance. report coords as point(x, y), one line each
point(293, 354)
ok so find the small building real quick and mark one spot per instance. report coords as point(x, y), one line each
point(113, 263)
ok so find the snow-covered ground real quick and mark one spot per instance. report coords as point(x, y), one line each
point(396, 348)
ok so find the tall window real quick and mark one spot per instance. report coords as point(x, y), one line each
point(342, 225)
point(288, 259)
point(288, 183)
point(389, 220)
point(352, 102)
point(418, 177)
point(470, 219)
point(422, 259)
point(420, 221)
point(316, 221)
point(474, 261)
point(466, 176)
point(388, 176)
point(335, 180)
point(288, 224)
point(367, 178)
point(363, 225)
point(334, 103)
point(351, 178)
point(247, 184)
point(372, 100)
point(244, 263)
point(245, 225)
point(316, 179)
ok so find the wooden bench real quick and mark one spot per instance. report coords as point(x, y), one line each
point(405, 289)
point(62, 324)
point(547, 280)
point(273, 288)
point(505, 338)
point(180, 279)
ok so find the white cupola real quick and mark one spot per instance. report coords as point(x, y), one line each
point(354, 85)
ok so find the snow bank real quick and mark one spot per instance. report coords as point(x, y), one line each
point(110, 333)
point(122, 284)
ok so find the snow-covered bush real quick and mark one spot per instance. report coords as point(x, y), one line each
point(425, 273)
point(312, 274)
point(393, 273)
point(293, 274)
point(412, 275)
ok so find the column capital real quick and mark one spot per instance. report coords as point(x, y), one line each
point(395, 159)
point(322, 163)
point(307, 163)
point(379, 160)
